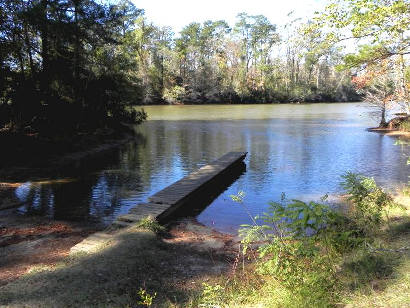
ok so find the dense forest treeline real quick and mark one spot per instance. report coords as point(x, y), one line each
point(70, 65)
point(78, 65)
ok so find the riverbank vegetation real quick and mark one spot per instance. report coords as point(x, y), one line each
point(64, 87)
point(311, 254)
point(78, 66)
point(379, 63)
point(61, 73)
point(296, 255)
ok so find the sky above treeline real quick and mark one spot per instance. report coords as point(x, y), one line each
point(179, 13)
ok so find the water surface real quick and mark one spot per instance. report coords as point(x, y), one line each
point(300, 150)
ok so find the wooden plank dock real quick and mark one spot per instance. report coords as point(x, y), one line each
point(162, 204)
point(198, 188)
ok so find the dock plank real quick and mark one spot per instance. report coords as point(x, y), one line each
point(164, 202)
point(181, 189)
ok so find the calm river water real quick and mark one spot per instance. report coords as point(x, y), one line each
point(299, 150)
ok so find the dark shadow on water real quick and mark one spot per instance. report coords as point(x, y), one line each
point(77, 190)
point(68, 163)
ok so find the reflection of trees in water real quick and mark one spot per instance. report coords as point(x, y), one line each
point(93, 193)
point(296, 156)
point(60, 201)
point(39, 199)
point(308, 152)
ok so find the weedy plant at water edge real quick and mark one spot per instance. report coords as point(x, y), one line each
point(370, 202)
point(301, 246)
point(405, 126)
point(150, 224)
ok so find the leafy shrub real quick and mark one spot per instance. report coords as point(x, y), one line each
point(369, 200)
point(309, 222)
point(301, 244)
point(298, 248)
point(150, 224)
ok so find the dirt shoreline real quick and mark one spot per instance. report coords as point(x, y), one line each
point(28, 242)
point(389, 132)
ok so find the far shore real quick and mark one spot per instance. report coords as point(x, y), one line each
point(246, 103)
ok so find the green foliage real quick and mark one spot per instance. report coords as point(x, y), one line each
point(63, 68)
point(212, 295)
point(295, 235)
point(239, 197)
point(300, 217)
point(310, 223)
point(175, 94)
point(145, 298)
point(366, 54)
point(301, 244)
point(380, 28)
point(369, 200)
point(150, 224)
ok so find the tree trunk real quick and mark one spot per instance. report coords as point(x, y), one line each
point(402, 72)
point(383, 122)
point(45, 78)
point(402, 83)
point(20, 58)
point(76, 54)
point(297, 71)
point(29, 50)
point(21, 63)
point(162, 74)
